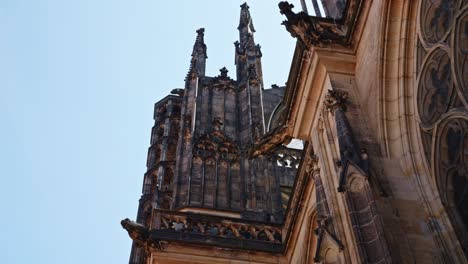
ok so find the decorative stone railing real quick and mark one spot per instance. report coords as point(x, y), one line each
point(287, 157)
point(216, 226)
point(186, 227)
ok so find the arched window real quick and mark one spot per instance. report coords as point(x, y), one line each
point(451, 167)
point(442, 94)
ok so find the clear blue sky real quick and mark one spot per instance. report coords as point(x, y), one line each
point(78, 80)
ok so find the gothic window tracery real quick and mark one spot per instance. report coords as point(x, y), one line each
point(442, 103)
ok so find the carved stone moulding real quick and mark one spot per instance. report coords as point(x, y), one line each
point(435, 87)
point(435, 19)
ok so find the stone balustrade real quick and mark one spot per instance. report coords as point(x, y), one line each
point(216, 226)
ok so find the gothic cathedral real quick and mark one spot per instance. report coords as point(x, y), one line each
point(378, 93)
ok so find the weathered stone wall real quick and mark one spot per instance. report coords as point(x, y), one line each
point(403, 88)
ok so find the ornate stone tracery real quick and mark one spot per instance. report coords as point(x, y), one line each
point(442, 103)
point(451, 169)
point(437, 20)
point(436, 89)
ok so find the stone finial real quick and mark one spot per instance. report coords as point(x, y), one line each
point(224, 72)
point(201, 31)
point(335, 99)
point(286, 8)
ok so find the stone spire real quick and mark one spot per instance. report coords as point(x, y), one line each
point(199, 56)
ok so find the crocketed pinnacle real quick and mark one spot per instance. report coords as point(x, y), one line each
point(245, 18)
point(199, 48)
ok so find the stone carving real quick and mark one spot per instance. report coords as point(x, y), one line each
point(217, 124)
point(335, 99)
point(195, 224)
point(253, 77)
point(216, 141)
point(316, 31)
point(193, 72)
point(270, 142)
point(311, 32)
point(312, 166)
point(287, 157)
point(221, 228)
point(224, 72)
point(138, 232)
point(435, 87)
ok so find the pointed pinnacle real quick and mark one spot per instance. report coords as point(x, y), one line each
point(199, 46)
point(245, 18)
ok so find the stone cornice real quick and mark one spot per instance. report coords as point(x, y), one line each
point(202, 229)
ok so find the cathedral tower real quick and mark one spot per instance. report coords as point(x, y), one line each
point(198, 160)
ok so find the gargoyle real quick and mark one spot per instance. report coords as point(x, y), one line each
point(313, 31)
point(270, 142)
point(141, 235)
point(138, 232)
